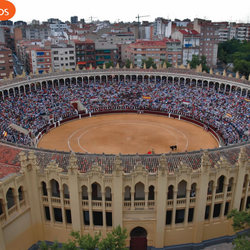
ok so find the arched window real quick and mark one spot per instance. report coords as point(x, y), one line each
point(182, 186)
point(139, 191)
point(55, 192)
point(230, 184)
point(84, 193)
point(245, 181)
point(210, 187)
point(193, 190)
point(220, 184)
point(20, 193)
point(65, 191)
point(44, 189)
point(127, 194)
point(96, 191)
point(1, 207)
point(108, 195)
point(151, 193)
point(10, 198)
point(170, 192)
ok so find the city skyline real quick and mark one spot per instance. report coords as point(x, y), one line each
point(128, 10)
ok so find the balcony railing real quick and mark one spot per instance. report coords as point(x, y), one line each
point(139, 204)
point(96, 204)
point(181, 201)
point(66, 202)
point(192, 200)
point(55, 200)
point(12, 210)
point(45, 199)
point(2, 217)
point(219, 196)
point(22, 203)
point(209, 197)
point(85, 203)
point(108, 204)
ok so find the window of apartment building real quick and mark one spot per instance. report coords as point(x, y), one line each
point(207, 212)
point(226, 208)
point(62, 64)
point(71, 52)
point(2, 68)
point(217, 208)
point(180, 213)
point(66, 52)
point(72, 64)
point(97, 219)
point(47, 213)
point(58, 214)
point(109, 219)
point(47, 53)
point(66, 58)
point(68, 216)
point(168, 217)
point(61, 58)
point(190, 214)
point(86, 218)
point(55, 52)
point(71, 58)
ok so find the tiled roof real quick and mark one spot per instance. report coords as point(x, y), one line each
point(9, 160)
point(189, 32)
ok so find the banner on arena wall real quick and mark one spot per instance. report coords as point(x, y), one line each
point(228, 115)
point(146, 97)
point(248, 100)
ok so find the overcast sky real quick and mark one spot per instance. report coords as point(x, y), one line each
point(127, 10)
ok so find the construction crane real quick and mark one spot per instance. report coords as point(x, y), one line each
point(138, 18)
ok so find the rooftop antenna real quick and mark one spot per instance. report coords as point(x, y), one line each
point(91, 18)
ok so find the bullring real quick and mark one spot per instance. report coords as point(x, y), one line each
point(179, 198)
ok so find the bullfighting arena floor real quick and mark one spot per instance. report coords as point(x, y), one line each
point(127, 134)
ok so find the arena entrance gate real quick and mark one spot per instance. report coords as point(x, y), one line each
point(138, 239)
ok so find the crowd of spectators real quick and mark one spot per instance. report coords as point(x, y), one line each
point(227, 113)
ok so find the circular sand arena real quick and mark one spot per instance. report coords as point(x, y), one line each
point(127, 134)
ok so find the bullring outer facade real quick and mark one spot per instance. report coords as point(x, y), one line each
point(162, 200)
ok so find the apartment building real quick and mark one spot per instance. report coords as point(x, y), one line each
point(32, 32)
point(105, 52)
point(63, 57)
point(208, 40)
point(39, 60)
point(85, 53)
point(190, 41)
point(142, 50)
point(6, 62)
point(173, 51)
point(228, 31)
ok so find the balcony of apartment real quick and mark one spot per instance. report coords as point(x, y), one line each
point(139, 199)
point(96, 199)
point(14, 205)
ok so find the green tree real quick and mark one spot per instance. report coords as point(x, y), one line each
point(197, 60)
point(149, 62)
point(237, 53)
point(167, 63)
point(116, 240)
point(242, 66)
point(109, 64)
point(241, 221)
point(127, 63)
